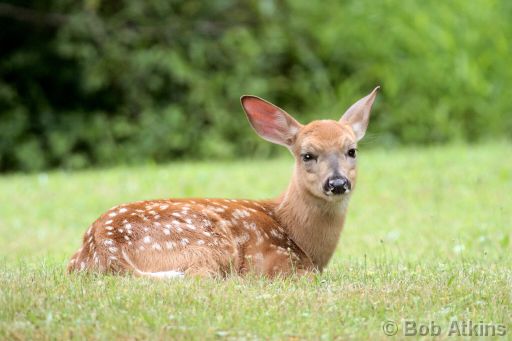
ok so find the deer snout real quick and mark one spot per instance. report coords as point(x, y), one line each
point(337, 185)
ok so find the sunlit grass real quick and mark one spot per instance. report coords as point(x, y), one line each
point(427, 238)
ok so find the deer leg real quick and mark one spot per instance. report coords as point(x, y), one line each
point(192, 261)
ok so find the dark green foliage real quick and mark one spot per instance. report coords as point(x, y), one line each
point(104, 82)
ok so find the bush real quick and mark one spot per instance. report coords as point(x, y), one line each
point(102, 82)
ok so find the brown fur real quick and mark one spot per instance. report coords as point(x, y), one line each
point(298, 232)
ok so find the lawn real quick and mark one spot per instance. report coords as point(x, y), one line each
point(427, 239)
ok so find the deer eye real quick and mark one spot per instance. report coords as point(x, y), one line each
point(352, 153)
point(306, 157)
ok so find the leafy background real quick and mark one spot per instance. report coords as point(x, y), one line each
point(87, 83)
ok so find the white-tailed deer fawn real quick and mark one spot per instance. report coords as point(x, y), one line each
point(295, 233)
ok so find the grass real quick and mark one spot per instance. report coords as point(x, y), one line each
point(427, 238)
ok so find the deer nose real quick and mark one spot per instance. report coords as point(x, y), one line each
point(337, 185)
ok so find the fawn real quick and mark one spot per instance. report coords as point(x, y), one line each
point(295, 233)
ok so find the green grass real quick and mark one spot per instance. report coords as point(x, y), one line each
point(427, 238)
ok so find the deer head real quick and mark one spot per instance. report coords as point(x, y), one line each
point(325, 150)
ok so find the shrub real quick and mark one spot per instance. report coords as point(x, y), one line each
point(101, 82)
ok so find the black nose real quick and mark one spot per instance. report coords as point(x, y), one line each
point(337, 185)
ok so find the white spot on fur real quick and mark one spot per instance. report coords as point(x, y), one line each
point(164, 274)
point(110, 228)
point(112, 214)
point(108, 222)
point(283, 251)
point(147, 239)
point(238, 213)
point(200, 242)
point(108, 242)
point(157, 246)
point(242, 239)
point(122, 210)
point(276, 234)
point(184, 241)
point(166, 232)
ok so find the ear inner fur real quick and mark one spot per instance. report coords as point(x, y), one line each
point(358, 115)
point(269, 121)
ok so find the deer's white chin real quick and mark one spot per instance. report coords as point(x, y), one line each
point(336, 203)
point(335, 195)
point(336, 198)
point(328, 197)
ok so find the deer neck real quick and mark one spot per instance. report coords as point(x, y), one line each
point(313, 223)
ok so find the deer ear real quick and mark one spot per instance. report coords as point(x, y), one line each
point(269, 121)
point(358, 115)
